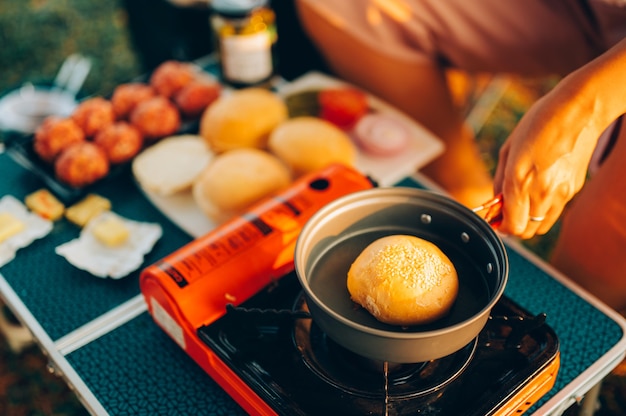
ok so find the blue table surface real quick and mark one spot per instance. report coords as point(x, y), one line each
point(136, 369)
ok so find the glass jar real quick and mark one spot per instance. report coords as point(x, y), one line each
point(246, 34)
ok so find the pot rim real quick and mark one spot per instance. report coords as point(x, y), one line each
point(500, 256)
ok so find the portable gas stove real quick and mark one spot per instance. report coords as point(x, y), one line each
point(231, 300)
point(272, 347)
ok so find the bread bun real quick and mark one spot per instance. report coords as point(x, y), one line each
point(171, 76)
point(307, 144)
point(127, 96)
point(93, 114)
point(172, 164)
point(197, 95)
point(81, 164)
point(243, 118)
point(156, 117)
point(121, 141)
point(236, 179)
point(403, 280)
point(54, 135)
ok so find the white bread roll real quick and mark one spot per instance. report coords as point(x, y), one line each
point(243, 118)
point(403, 280)
point(236, 179)
point(172, 164)
point(307, 144)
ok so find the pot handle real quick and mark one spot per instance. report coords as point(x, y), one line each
point(491, 210)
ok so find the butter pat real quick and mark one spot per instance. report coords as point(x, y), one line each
point(9, 226)
point(44, 204)
point(111, 231)
point(86, 209)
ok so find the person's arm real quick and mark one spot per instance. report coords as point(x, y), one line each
point(544, 162)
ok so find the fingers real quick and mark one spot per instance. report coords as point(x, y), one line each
point(531, 209)
point(547, 223)
point(549, 205)
point(539, 225)
point(539, 211)
point(502, 162)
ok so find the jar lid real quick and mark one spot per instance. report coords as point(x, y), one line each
point(236, 8)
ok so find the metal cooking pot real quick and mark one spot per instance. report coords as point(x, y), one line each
point(332, 239)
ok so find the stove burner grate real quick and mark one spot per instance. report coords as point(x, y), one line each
point(364, 377)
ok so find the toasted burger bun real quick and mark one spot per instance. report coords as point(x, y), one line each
point(403, 280)
point(172, 164)
point(237, 179)
point(307, 144)
point(243, 118)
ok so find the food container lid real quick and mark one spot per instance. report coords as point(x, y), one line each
point(237, 9)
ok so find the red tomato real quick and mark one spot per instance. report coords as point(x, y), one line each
point(342, 106)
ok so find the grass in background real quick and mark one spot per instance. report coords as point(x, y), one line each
point(37, 35)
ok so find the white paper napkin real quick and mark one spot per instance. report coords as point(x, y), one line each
point(87, 253)
point(35, 227)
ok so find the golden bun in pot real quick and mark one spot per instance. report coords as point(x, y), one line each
point(403, 280)
point(243, 118)
point(307, 144)
point(237, 179)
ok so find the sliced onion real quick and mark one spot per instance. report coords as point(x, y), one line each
point(381, 134)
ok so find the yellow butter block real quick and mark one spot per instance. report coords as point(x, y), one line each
point(9, 226)
point(44, 204)
point(111, 231)
point(86, 209)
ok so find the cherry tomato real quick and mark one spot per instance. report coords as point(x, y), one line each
point(342, 106)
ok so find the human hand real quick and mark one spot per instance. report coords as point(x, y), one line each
point(543, 163)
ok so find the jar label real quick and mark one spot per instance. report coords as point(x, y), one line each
point(247, 59)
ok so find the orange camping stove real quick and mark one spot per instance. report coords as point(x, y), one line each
point(232, 302)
